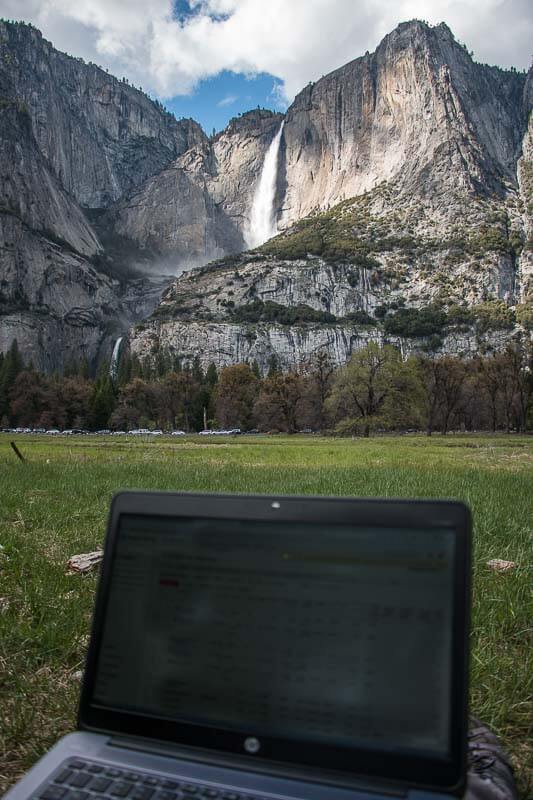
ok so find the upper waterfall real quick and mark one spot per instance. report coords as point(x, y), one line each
point(262, 224)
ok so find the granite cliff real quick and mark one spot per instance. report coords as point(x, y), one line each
point(402, 193)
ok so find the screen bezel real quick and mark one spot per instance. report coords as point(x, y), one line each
point(417, 769)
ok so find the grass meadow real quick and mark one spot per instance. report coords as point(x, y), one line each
point(55, 505)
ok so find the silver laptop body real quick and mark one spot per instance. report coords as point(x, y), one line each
point(259, 648)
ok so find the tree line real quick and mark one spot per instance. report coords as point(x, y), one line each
point(376, 390)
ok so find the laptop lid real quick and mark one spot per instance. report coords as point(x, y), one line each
point(322, 634)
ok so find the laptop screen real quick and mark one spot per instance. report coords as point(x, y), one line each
point(329, 633)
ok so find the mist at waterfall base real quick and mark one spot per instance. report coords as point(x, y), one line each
point(262, 217)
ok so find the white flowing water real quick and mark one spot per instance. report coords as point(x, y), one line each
point(262, 219)
point(113, 368)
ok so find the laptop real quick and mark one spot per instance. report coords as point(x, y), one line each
point(272, 648)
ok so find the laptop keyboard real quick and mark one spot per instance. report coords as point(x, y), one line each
point(85, 780)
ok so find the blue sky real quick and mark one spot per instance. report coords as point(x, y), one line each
point(216, 100)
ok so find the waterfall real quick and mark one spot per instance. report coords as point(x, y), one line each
point(262, 222)
point(113, 368)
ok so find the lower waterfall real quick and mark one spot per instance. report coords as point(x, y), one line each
point(113, 367)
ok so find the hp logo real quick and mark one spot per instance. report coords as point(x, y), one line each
point(252, 745)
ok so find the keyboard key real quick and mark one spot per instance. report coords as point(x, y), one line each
point(230, 796)
point(113, 773)
point(169, 784)
point(210, 793)
point(63, 776)
point(79, 780)
point(99, 784)
point(149, 780)
point(77, 764)
point(120, 789)
point(141, 793)
point(53, 793)
point(190, 788)
point(166, 796)
point(77, 794)
point(132, 776)
point(95, 769)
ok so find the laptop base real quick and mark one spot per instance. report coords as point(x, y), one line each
point(93, 748)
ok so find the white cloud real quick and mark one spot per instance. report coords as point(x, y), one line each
point(228, 100)
point(296, 41)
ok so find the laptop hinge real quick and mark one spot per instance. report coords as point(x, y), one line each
point(233, 762)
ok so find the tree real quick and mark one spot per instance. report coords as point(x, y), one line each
point(102, 402)
point(136, 406)
point(29, 396)
point(519, 359)
point(443, 383)
point(11, 366)
point(489, 379)
point(278, 405)
point(211, 376)
point(74, 395)
point(375, 390)
point(318, 385)
point(235, 395)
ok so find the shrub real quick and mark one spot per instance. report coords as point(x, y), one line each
point(360, 317)
point(460, 315)
point(258, 311)
point(524, 315)
point(415, 321)
point(493, 315)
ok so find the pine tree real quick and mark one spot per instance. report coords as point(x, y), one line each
point(103, 402)
point(273, 365)
point(125, 369)
point(11, 366)
point(211, 376)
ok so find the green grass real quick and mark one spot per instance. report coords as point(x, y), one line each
point(55, 505)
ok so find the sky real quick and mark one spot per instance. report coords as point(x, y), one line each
point(213, 59)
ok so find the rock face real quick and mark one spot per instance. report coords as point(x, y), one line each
point(404, 181)
point(292, 348)
point(418, 106)
point(198, 208)
point(525, 184)
point(72, 136)
point(101, 136)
